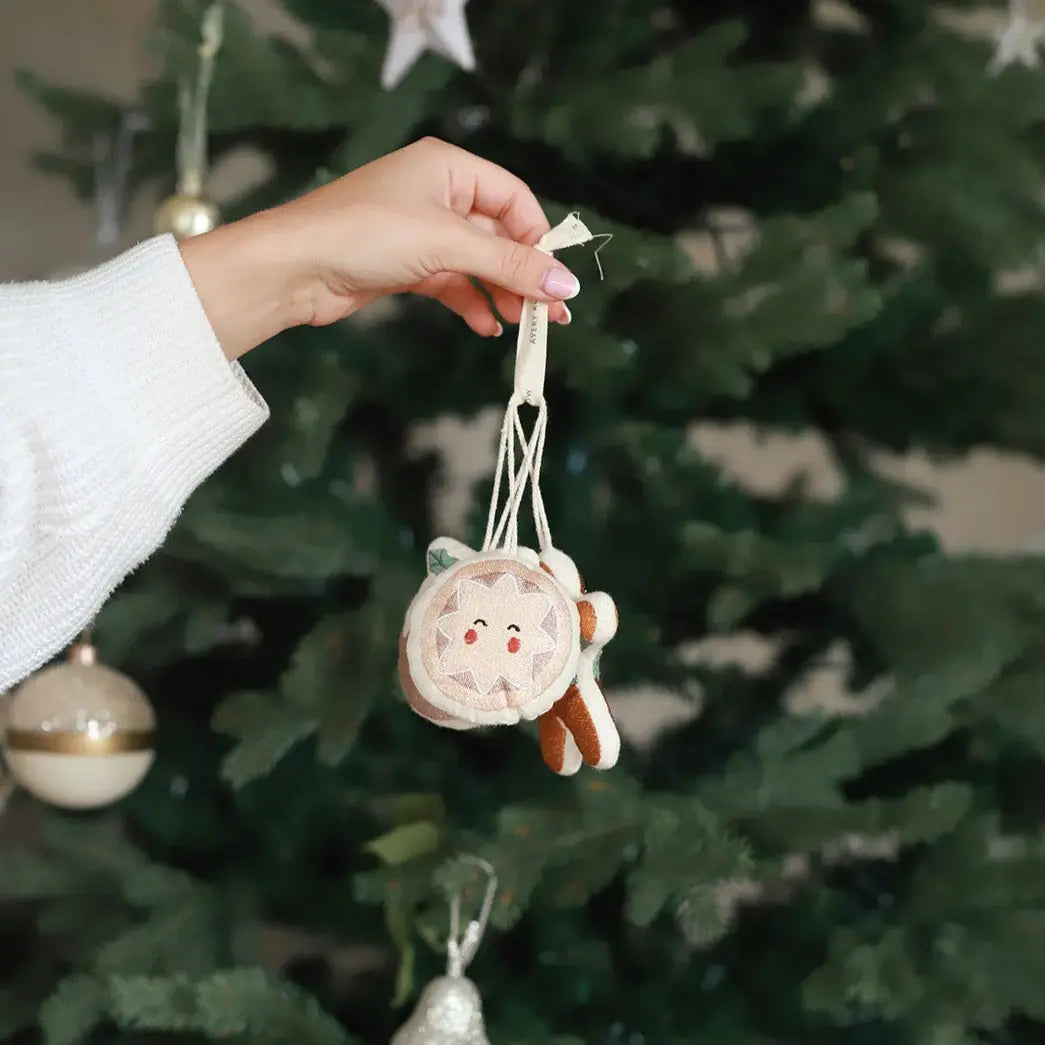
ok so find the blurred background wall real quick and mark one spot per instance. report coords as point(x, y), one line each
point(988, 502)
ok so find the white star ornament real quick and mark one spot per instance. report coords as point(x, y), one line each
point(1017, 43)
point(425, 25)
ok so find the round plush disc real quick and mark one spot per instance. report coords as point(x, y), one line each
point(492, 640)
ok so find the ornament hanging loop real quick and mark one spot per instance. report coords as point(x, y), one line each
point(189, 212)
point(531, 362)
point(192, 102)
point(531, 349)
point(461, 949)
point(82, 651)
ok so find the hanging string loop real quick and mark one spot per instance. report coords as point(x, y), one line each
point(519, 453)
point(461, 949)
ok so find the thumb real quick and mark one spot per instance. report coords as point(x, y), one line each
point(514, 266)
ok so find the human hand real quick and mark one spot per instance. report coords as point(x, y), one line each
point(421, 220)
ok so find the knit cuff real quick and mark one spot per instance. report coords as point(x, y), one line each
point(183, 408)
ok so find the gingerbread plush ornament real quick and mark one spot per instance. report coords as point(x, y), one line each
point(508, 634)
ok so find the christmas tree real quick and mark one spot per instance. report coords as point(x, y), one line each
point(758, 873)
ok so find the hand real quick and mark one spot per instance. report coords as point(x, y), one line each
point(420, 220)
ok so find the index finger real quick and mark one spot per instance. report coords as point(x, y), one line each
point(478, 186)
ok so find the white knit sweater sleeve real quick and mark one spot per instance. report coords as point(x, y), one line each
point(116, 402)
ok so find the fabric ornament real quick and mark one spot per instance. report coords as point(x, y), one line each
point(425, 25)
point(507, 634)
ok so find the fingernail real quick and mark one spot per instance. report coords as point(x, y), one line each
point(567, 315)
point(499, 331)
point(560, 283)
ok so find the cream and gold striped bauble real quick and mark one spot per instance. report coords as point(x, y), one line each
point(78, 734)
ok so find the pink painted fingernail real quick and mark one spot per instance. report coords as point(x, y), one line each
point(560, 283)
point(567, 316)
point(499, 331)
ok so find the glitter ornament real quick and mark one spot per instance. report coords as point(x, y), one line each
point(78, 735)
point(506, 633)
point(450, 1009)
point(449, 1012)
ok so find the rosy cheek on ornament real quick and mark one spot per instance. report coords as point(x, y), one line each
point(471, 636)
point(513, 645)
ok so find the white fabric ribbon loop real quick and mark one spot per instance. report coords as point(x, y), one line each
point(531, 349)
point(531, 360)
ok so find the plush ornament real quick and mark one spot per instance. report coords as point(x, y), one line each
point(497, 639)
point(78, 735)
point(506, 633)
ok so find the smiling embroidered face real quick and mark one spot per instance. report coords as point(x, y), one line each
point(497, 634)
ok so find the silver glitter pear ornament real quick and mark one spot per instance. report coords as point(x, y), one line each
point(449, 1012)
point(450, 1009)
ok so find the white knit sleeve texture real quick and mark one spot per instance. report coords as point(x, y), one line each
point(116, 402)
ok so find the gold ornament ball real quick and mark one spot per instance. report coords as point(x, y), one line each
point(79, 735)
point(185, 216)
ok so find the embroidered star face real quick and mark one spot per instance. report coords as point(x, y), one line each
point(496, 633)
point(494, 640)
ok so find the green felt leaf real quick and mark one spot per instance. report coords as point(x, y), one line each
point(439, 559)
